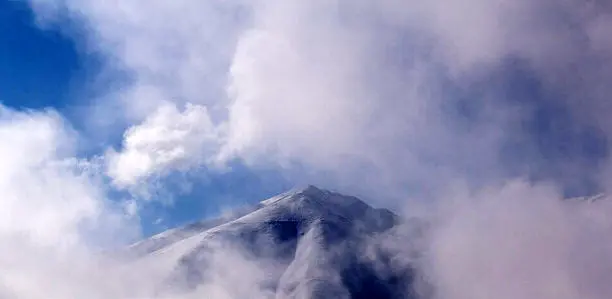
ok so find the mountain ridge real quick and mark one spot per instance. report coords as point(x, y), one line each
point(319, 241)
point(310, 192)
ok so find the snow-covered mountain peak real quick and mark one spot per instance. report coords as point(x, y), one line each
point(303, 205)
point(314, 237)
point(309, 191)
point(313, 204)
point(312, 197)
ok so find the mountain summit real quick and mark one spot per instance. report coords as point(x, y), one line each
point(306, 243)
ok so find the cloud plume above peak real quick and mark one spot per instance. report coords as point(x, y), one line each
point(409, 90)
point(412, 91)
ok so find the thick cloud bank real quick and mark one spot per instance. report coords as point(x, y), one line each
point(450, 101)
point(54, 209)
point(421, 93)
point(520, 241)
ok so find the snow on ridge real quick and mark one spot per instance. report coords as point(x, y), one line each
point(309, 202)
point(589, 198)
point(306, 235)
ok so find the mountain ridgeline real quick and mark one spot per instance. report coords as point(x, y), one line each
point(309, 243)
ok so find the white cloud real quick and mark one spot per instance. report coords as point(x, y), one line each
point(520, 241)
point(371, 92)
point(177, 50)
point(167, 140)
point(349, 85)
point(54, 211)
point(44, 193)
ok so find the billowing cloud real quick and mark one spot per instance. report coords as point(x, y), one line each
point(519, 241)
point(55, 209)
point(424, 94)
point(395, 99)
point(420, 93)
point(45, 191)
point(167, 140)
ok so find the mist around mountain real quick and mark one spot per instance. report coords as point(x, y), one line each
point(518, 241)
point(307, 243)
point(313, 243)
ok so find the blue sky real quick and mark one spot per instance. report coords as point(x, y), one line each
point(46, 68)
point(39, 68)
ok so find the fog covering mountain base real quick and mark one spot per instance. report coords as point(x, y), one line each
point(308, 243)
